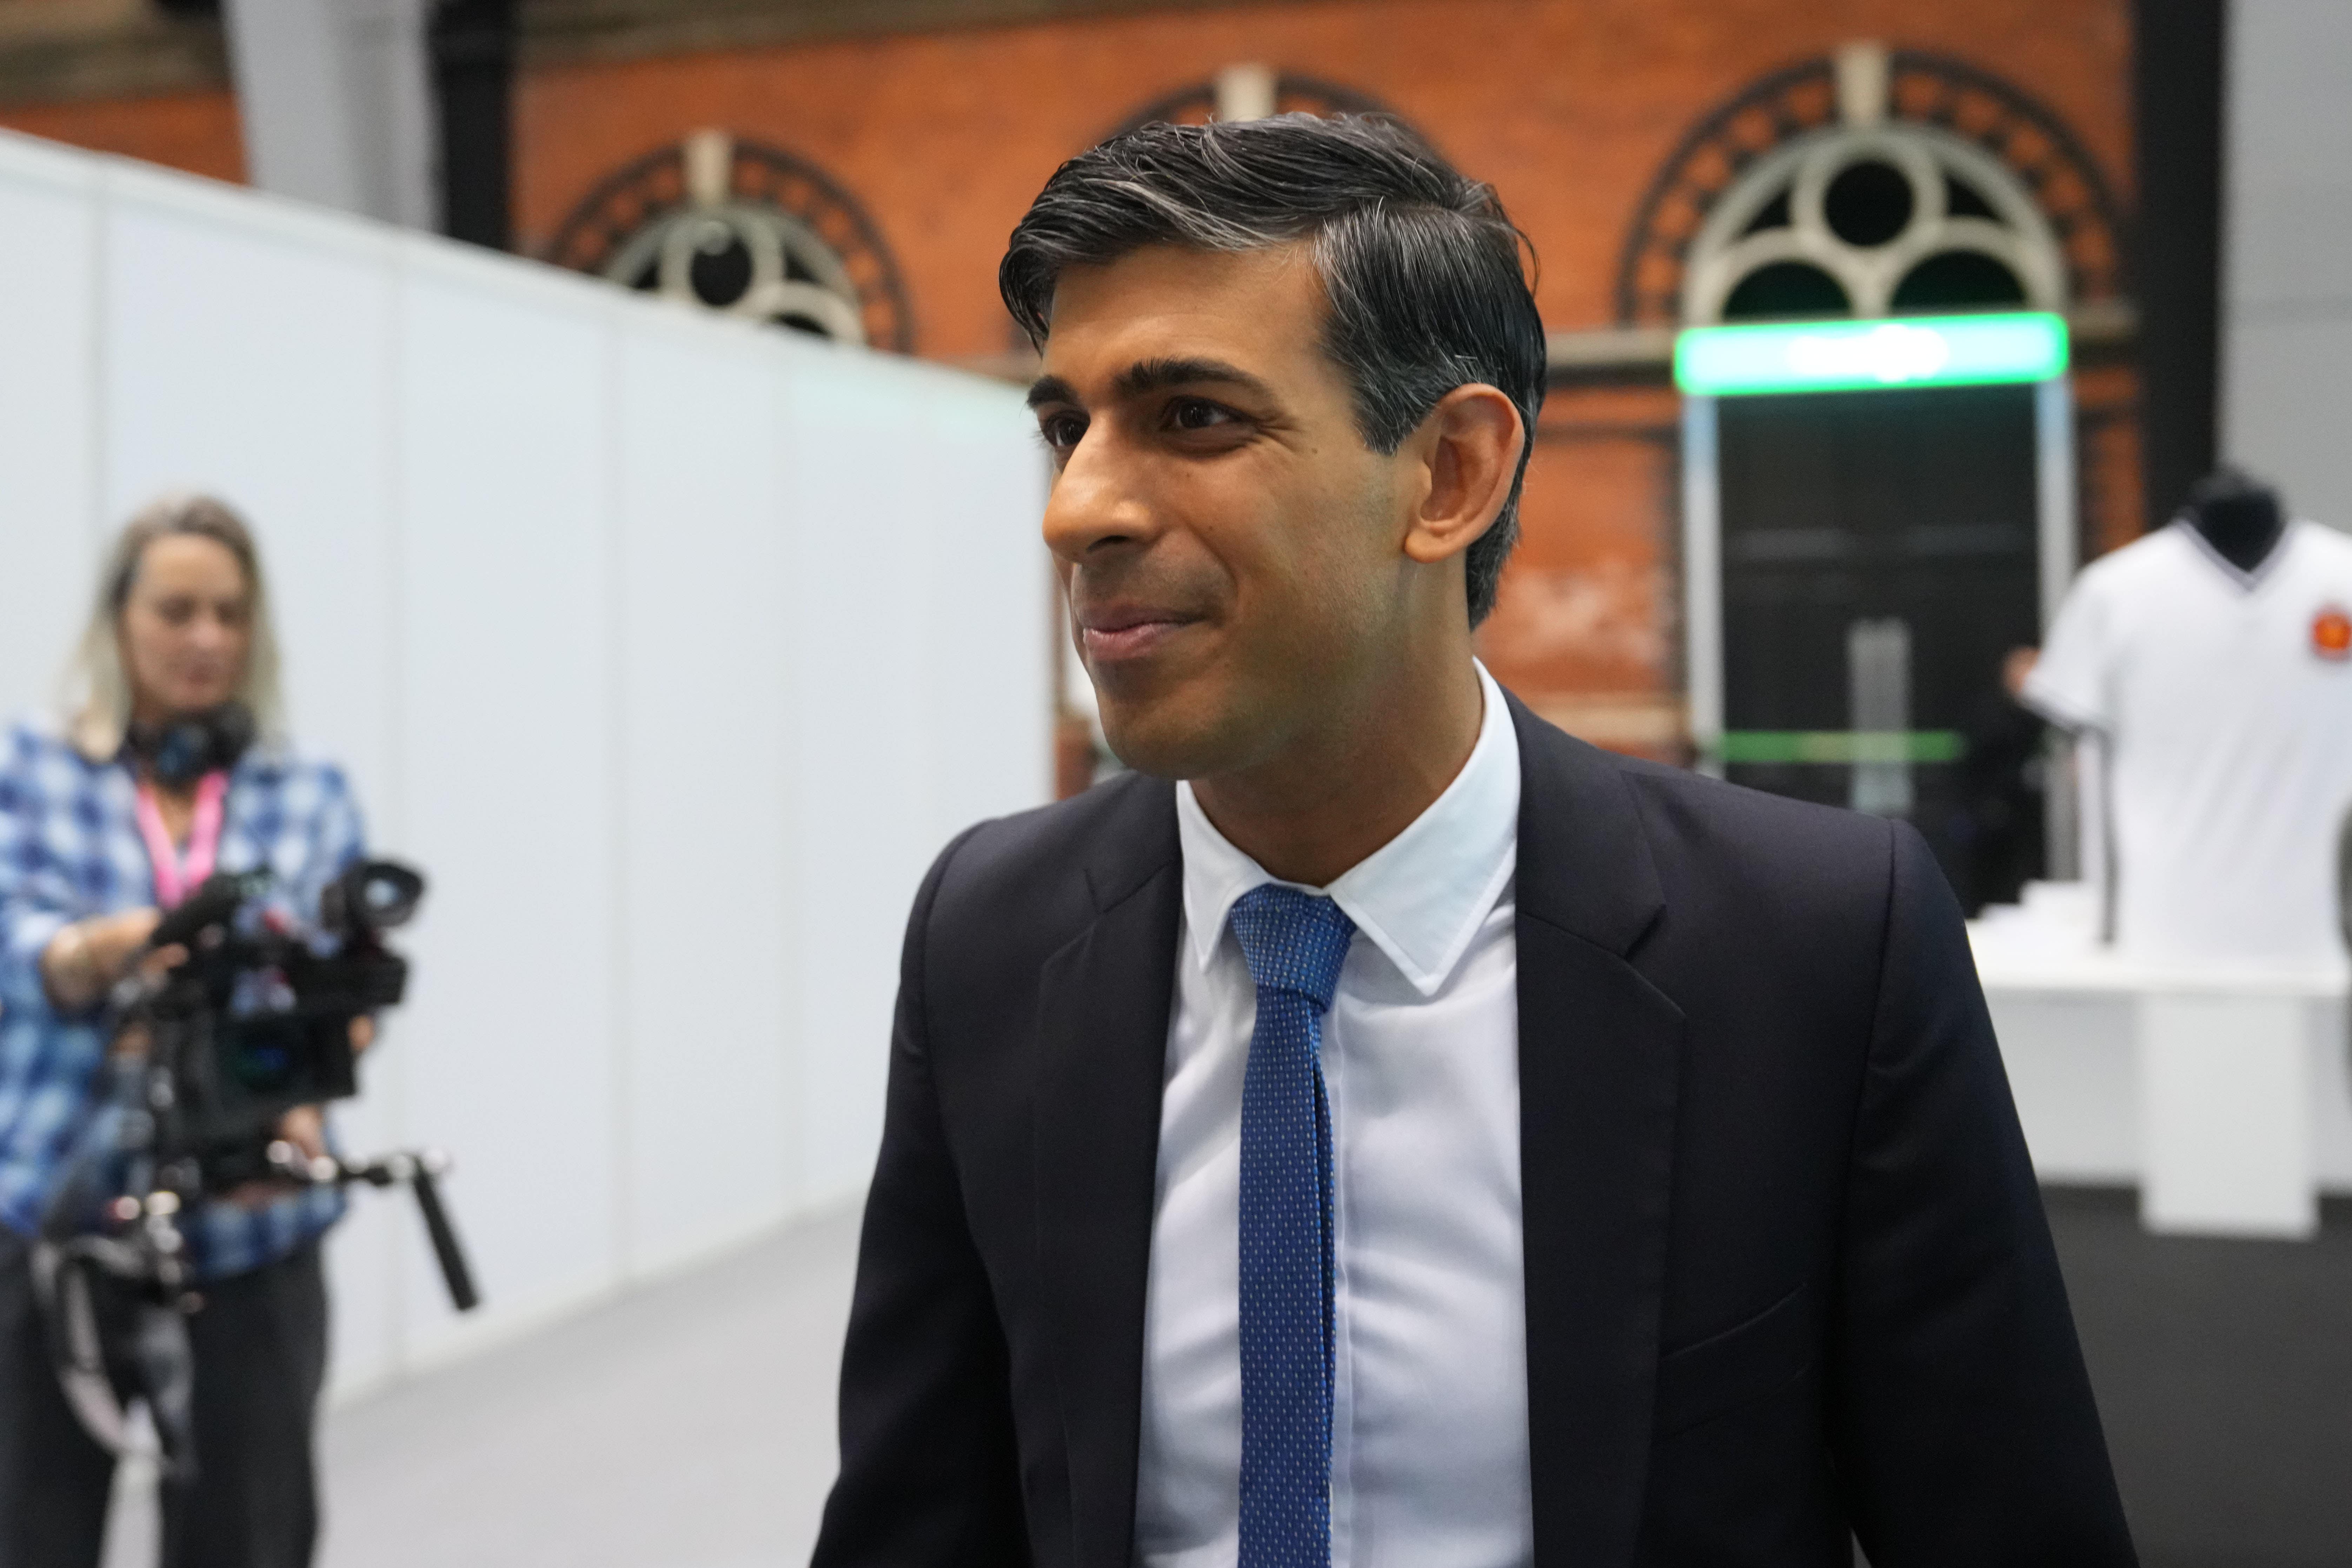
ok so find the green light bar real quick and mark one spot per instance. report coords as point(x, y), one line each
point(1866, 356)
point(1843, 746)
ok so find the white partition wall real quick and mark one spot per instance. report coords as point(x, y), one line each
point(49, 371)
point(2286, 264)
point(696, 596)
point(672, 649)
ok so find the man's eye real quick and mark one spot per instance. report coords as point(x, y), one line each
point(1061, 431)
point(1193, 413)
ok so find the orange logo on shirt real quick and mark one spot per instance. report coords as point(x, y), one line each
point(2331, 633)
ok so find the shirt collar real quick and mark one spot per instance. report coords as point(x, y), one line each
point(2240, 578)
point(1420, 896)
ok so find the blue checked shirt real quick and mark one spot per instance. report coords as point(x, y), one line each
point(70, 848)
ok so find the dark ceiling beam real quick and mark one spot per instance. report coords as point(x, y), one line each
point(179, 47)
point(62, 62)
point(558, 31)
point(2176, 123)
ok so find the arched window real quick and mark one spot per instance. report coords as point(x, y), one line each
point(1873, 221)
point(1872, 183)
point(744, 230)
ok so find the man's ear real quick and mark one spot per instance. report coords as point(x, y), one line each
point(1468, 448)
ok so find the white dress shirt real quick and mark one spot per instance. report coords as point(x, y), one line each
point(1429, 1432)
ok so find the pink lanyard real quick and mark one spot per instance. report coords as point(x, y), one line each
point(176, 878)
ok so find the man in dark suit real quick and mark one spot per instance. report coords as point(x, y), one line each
point(1412, 1137)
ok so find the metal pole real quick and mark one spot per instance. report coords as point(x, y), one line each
point(1703, 582)
point(2056, 550)
point(2056, 554)
point(473, 49)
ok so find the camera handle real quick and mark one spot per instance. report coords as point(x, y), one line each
point(421, 1169)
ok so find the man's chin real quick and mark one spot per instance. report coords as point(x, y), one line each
point(1164, 740)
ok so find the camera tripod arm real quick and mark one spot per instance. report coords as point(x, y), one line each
point(420, 1170)
point(455, 1273)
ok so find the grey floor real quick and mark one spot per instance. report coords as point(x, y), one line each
point(2224, 1375)
point(688, 1424)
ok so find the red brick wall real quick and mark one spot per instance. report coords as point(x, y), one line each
point(196, 131)
point(1568, 106)
point(1587, 626)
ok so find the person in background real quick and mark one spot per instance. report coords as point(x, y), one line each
point(171, 763)
point(2000, 829)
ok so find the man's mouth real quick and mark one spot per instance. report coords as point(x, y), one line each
point(1120, 632)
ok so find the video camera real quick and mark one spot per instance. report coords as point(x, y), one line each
point(210, 1053)
point(257, 1021)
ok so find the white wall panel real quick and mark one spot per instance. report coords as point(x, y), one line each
point(48, 365)
point(508, 751)
point(2287, 311)
point(250, 356)
point(672, 649)
point(2289, 395)
point(864, 832)
point(984, 478)
point(706, 705)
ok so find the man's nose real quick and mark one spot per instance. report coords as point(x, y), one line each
point(1097, 502)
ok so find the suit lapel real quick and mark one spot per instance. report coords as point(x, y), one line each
point(1102, 1046)
point(1600, 1058)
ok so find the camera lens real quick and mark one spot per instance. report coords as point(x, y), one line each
point(264, 1057)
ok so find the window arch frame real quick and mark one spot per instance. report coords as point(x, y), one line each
point(765, 195)
point(1722, 254)
point(1923, 88)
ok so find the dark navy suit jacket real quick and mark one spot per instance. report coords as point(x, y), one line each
point(1788, 1274)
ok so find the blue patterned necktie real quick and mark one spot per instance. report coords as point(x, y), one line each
point(1294, 942)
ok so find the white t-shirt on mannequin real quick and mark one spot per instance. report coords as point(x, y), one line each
point(2224, 698)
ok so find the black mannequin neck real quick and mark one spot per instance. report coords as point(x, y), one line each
point(2243, 527)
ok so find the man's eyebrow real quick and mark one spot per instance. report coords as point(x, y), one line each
point(1051, 389)
point(1152, 375)
point(1159, 374)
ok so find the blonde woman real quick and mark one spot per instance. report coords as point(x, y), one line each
point(170, 764)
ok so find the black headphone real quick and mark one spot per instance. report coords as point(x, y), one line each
point(179, 751)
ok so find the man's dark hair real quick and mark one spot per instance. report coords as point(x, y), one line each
point(1421, 264)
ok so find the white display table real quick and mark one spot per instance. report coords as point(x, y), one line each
point(2219, 1089)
